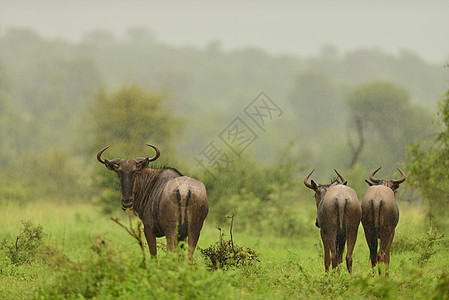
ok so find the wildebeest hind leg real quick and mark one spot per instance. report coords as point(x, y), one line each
point(388, 247)
point(170, 236)
point(372, 245)
point(171, 244)
point(384, 252)
point(327, 258)
point(194, 235)
point(351, 243)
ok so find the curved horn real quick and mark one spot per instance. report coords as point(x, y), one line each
point(100, 153)
point(369, 183)
point(344, 181)
point(158, 152)
point(307, 183)
point(402, 178)
point(371, 177)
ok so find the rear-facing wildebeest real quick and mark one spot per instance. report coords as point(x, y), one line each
point(338, 217)
point(380, 215)
point(168, 203)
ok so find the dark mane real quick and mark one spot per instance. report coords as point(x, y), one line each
point(335, 180)
point(168, 168)
point(165, 167)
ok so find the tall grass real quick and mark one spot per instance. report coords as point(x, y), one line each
point(93, 257)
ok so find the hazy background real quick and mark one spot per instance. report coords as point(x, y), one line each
point(210, 60)
point(246, 96)
point(293, 27)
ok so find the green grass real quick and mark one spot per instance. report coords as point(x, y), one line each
point(92, 257)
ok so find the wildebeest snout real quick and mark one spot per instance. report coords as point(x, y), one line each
point(127, 203)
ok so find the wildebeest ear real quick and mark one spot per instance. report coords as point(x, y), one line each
point(395, 186)
point(143, 163)
point(369, 183)
point(314, 185)
point(110, 165)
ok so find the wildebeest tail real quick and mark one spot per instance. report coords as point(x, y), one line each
point(183, 223)
point(341, 230)
point(373, 239)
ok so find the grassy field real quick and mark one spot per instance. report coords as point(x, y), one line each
point(83, 254)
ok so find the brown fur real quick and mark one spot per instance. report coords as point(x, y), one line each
point(338, 217)
point(380, 216)
point(168, 203)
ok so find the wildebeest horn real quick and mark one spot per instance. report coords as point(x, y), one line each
point(343, 181)
point(369, 183)
point(402, 178)
point(371, 177)
point(158, 153)
point(100, 153)
point(307, 183)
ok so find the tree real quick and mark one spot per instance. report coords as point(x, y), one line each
point(428, 165)
point(129, 118)
point(385, 121)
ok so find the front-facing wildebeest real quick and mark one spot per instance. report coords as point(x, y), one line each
point(168, 203)
point(338, 217)
point(380, 215)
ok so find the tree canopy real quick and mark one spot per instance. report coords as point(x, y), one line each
point(428, 165)
point(385, 120)
point(130, 117)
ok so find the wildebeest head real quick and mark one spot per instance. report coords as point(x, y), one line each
point(321, 189)
point(127, 171)
point(391, 183)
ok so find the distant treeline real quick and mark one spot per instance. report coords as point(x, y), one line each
point(46, 86)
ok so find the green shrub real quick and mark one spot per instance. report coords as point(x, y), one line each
point(248, 180)
point(109, 273)
point(26, 246)
point(425, 246)
point(427, 162)
point(225, 254)
point(442, 288)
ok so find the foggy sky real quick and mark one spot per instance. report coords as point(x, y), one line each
point(295, 27)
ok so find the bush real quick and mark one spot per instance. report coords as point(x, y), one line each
point(108, 273)
point(425, 247)
point(26, 245)
point(225, 254)
point(261, 195)
point(442, 288)
point(428, 162)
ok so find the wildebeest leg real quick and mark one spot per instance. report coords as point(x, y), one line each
point(334, 256)
point(151, 240)
point(352, 238)
point(170, 231)
point(327, 249)
point(171, 243)
point(384, 252)
point(388, 247)
point(330, 251)
point(372, 245)
point(194, 235)
point(327, 258)
point(384, 236)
